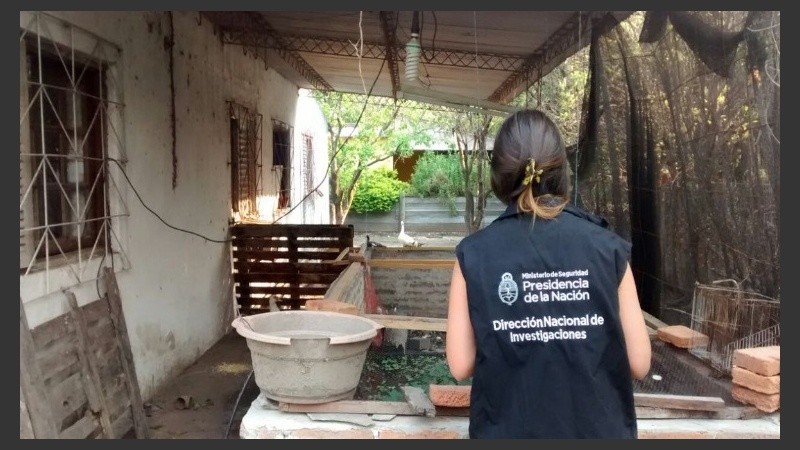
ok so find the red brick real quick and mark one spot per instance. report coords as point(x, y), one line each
point(764, 402)
point(673, 434)
point(682, 336)
point(427, 434)
point(311, 433)
point(756, 382)
point(449, 396)
point(761, 360)
point(331, 305)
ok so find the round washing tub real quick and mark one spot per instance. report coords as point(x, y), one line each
point(307, 356)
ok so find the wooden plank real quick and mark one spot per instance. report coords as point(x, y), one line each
point(297, 267)
point(272, 255)
point(89, 367)
point(679, 402)
point(94, 311)
point(59, 361)
point(124, 423)
point(341, 259)
point(68, 400)
point(343, 253)
point(418, 401)
point(118, 317)
point(409, 322)
point(118, 401)
point(32, 383)
point(81, 429)
point(652, 322)
point(352, 407)
point(319, 278)
point(288, 290)
point(25, 426)
point(101, 333)
point(52, 332)
point(413, 263)
point(333, 231)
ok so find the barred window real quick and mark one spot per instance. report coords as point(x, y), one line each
point(245, 159)
point(70, 124)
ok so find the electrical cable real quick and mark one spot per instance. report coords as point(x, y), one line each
point(130, 183)
point(330, 163)
point(236, 405)
point(327, 171)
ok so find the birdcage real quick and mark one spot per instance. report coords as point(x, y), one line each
point(732, 318)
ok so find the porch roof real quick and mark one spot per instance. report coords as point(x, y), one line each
point(489, 55)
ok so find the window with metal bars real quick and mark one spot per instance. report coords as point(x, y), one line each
point(246, 160)
point(282, 160)
point(308, 162)
point(72, 153)
point(67, 183)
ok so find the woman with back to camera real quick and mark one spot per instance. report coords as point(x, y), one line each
point(543, 310)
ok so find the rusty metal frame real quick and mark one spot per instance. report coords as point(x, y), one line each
point(374, 50)
point(258, 33)
point(387, 17)
point(548, 55)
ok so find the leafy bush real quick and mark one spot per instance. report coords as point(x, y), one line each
point(377, 191)
point(438, 175)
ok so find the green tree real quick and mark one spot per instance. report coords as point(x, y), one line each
point(470, 133)
point(363, 132)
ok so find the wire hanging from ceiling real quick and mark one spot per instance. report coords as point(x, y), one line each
point(578, 113)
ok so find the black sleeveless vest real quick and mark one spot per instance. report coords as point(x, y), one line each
point(551, 359)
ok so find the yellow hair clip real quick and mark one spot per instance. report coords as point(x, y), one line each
point(531, 173)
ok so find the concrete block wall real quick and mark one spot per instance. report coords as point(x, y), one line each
point(415, 292)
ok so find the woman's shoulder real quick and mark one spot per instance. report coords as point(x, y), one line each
point(594, 226)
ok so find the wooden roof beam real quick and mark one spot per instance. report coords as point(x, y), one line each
point(387, 18)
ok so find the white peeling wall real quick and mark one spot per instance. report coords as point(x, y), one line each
point(310, 121)
point(176, 292)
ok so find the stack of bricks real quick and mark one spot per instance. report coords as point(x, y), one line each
point(756, 377)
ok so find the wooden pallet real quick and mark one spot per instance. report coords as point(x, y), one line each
point(77, 378)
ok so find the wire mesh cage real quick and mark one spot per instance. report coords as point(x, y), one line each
point(732, 318)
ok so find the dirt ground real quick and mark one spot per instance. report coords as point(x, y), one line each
point(213, 383)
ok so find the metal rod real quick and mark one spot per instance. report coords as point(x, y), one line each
point(78, 170)
point(62, 88)
point(87, 158)
point(44, 154)
point(64, 224)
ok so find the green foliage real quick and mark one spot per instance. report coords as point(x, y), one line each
point(377, 191)
point(437, 175)
point(384, 375)
point(383, 131)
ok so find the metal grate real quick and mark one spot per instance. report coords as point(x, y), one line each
point(71, 129)
point(732, 318)
point(246, 159)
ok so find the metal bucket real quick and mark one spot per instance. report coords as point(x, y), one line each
point(307, 356)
